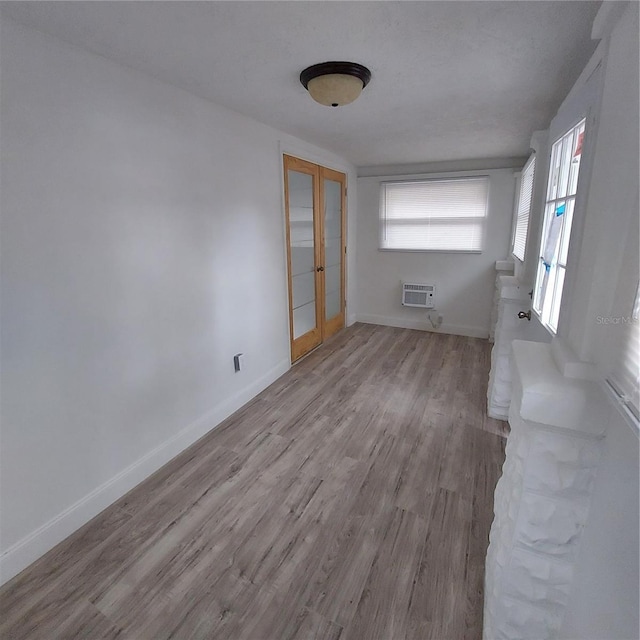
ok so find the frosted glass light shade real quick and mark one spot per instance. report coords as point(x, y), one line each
point(335, 83)
point(335, 89)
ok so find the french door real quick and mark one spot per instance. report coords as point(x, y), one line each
point(315, 199)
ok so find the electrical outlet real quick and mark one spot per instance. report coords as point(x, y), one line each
point(237, 362)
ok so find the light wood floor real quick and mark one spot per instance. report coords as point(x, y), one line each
point(351, 499)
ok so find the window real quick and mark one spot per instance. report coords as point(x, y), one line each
point(625, 373)
point(445, 214)
point(566, 154)
point(523, 209)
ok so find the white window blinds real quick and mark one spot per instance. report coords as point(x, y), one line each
point(524, 207)
point(434, 215)
point(625, 373)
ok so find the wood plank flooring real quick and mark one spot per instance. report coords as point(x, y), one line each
point(352, 499)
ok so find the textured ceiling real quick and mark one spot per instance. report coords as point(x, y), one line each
point(450, 80)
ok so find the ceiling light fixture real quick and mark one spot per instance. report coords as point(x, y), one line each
point(335, 83)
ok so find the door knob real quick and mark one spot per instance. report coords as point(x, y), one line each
point(525, 314)
point(319, 268)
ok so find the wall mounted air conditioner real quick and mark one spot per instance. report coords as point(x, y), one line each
point(418, 295)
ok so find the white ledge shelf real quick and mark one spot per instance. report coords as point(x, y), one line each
point(547, 397)
point(506, 266)
point(510, 288)
point(511, 296)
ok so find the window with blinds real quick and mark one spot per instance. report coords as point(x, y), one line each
point(444, 214)
point(524, 207)
point(625, 373)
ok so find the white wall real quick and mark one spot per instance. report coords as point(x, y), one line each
point(142, 247)
point(612, 202)
point(605, 597)
point(464, 282)
point(604, 600)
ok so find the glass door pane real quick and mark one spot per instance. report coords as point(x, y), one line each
point(302, 248)
point(332, 248)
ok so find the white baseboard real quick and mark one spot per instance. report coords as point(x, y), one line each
point(38, 542)
point(404, 323)
point(498, 414)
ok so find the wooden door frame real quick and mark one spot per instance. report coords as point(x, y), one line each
point(323, 329)
point(337, 322)
point(305, 343)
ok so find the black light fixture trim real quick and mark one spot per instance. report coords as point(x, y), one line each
point(344, 68)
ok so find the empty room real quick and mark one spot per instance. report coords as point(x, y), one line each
point(319, 320)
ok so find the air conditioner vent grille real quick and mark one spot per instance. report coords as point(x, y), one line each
point(419, 295)
point(418, 287)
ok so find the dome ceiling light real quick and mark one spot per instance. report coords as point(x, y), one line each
point(335, 83)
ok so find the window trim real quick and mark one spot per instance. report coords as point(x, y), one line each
point(575, 232)
point(615, 377)
point(434, 177)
